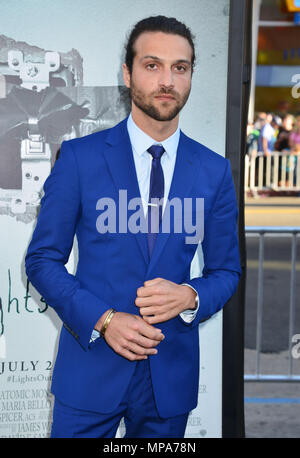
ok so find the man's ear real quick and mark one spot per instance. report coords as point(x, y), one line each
point(126, 75)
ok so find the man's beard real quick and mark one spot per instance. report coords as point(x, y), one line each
point(139, 98)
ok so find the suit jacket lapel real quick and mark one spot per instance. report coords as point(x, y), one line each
point(119, 158)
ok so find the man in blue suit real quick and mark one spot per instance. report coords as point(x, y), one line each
point(129, 342)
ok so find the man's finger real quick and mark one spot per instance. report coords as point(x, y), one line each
point(148, 301)
point(157, 318)
point(152, 282)
point(157, 289)
point(145, 342)
point(149, 290)
point(149, 331)
point(148, 311)
point(137, 349)
point(132, 356)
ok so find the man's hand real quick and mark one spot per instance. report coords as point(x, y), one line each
point(130, 336)
point(160, 300)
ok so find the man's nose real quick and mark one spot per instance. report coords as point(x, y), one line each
point(166, 78)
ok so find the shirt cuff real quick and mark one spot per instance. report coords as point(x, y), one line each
point(189, 315)
point(95, 335)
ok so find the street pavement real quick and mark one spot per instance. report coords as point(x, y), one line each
point(272, 211)
point(272, 410)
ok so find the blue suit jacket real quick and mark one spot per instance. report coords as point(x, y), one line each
point(112, 266)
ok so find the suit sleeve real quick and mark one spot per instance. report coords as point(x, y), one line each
point(221, 271)
point(50, 248)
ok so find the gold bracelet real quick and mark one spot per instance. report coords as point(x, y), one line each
point(107, 321)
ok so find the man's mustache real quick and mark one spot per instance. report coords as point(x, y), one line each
point(166, 91)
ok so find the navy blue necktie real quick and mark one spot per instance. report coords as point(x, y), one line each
point(156, 192)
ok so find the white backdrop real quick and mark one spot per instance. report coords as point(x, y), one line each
point(29, 330)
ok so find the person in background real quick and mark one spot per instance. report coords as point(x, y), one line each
point(253, 136)
point(267, 136)
point(294, 142)
point(284, 131)
point(252, 140)
point(260, 121)
point(266, 143)
point(282, 144)
point(294, 138)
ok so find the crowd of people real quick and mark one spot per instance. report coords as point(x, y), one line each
point(270, 133)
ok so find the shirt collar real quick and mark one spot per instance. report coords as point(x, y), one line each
point(140, 141)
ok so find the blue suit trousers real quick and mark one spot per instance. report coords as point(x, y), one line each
point(137, 407)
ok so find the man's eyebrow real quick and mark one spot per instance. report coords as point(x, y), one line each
point(178, 61)
point(150, 57)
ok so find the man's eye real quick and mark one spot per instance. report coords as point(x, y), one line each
point(180, 68)
point(151, 66)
